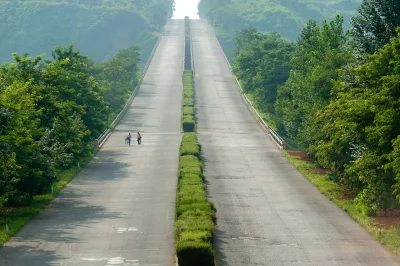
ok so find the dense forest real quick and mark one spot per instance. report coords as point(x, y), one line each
point(86, 61)
point(287, 17)
point(99, 28)
point(336, 93)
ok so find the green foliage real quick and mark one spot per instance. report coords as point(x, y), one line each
point(17, 219)
point(342, 109)
point(284, 17)
point(193, 253)
point(375, 24)
point(51, 111)
point(369, 110)
point(118, 77)
point(188, 123)
point(188, 111)
point(99, 28)
point(190, 145)
point(309, 86)
point(188, 53)
point(262, 63)
point(195, 215)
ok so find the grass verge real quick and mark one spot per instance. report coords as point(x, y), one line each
point(16, 218)
point(388, 237)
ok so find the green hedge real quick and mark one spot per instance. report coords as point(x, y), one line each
point(188, 111)
point(190, 145)
point(195, 253)
point(188, 102)
point(195, 215)
point(188, 123)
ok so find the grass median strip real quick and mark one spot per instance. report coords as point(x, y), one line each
point(195, 216)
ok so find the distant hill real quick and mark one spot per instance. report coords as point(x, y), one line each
point(287, 17)
point(98, 27)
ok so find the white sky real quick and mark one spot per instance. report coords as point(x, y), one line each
point(186, 8)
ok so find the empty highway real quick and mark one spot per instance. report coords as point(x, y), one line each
point(120, 209)
point(267, 212)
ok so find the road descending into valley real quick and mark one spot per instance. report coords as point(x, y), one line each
point(267, 212)
point(120, 209)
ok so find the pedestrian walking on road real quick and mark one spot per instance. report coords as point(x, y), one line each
point(128, 139)
point(139, 138)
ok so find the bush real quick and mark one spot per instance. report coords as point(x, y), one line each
point(188, 102)
point(196, 236)
point(190, 149)
point(188, 123)
point(188, 110)
point(202, 206)
point(193, 224)
point(194, 253)
point(190, 179)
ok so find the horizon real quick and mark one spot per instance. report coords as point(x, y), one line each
point(186, 8)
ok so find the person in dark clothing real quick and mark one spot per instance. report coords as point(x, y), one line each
point(128, 139)
point(139, 138)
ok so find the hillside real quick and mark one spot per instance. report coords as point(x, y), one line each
point(287, 17)
point(99, 28)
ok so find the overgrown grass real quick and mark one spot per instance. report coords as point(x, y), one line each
point(17, 219)
point(388, 237)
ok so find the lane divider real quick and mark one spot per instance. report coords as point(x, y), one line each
point(195, 216)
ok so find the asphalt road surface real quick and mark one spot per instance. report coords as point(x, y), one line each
point(120, 208)
point(267, 212)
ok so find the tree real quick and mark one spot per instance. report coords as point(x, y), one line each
point(365, 122)
point(375, 24)
point(320, 53)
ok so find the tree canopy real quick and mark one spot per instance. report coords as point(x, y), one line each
point(52, 110)
point(284, 17)
point(98, 27)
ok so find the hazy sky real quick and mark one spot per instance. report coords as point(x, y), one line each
point(186, 8)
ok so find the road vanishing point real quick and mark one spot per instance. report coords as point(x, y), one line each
point(120, 209)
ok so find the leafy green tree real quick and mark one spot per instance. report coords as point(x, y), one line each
point(320, 53)
point(118, 76)
point(262, 63)
point(365, 124)
point(375, 24)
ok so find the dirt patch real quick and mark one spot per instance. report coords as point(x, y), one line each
point(391, 221)
point(302, 155)
point(346, 194)
point(320, 171)
point(10, 209)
